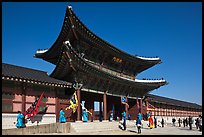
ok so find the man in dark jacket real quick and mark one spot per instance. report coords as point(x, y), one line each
point(190, 122)
point(155, 122)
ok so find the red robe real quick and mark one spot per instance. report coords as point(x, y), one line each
point(151, 123)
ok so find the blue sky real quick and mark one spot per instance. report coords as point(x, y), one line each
point(171, 31)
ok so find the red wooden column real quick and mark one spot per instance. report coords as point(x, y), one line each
point(141, 105)
point(126, 108)
point(137, 103)
point(57, 104)
point(79, 106)
point(24, 98)
point(105, 106)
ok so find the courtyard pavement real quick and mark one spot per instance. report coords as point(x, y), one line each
point(168, 130)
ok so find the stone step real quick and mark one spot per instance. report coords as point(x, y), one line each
point(98, 126)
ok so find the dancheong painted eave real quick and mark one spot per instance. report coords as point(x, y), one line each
point(88, 71)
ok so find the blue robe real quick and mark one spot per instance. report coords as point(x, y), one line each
point(62, 118)
point(139, 116)
point(19, 120)
point(111, 116)
point(124, 116)
point(138, 122)
point(85, 116)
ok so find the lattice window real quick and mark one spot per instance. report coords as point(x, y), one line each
point(7, 96)
point(7, 107)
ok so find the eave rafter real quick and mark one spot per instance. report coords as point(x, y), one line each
point(81, 65)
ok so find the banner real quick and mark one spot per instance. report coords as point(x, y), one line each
point(74, 103)
point(151, 107)
point(33, 109)
point(124, 101)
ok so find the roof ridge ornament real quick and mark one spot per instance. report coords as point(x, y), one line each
point(67, 42)
point(70, 7)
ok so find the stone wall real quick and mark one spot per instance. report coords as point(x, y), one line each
point(9, 120)
point(46, 128)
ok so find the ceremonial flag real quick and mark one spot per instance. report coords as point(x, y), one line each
point(150, 107)
point(74, 103)
point(124, 101)
point(33, 109)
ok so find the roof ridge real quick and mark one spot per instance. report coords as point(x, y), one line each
point(17, 66)
point(174, 99)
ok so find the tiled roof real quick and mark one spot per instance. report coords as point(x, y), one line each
point(14, 71)
point(155, 98)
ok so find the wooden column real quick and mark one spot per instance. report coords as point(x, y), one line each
point(137, 104)
point(24, 87)
point(79, 106)
point(105, 106)
point(126, 108)
point(141, 105)
point(57, 104)
point(100, 112)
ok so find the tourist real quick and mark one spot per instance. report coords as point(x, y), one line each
point(200, 123)
point(111, 116)
point(184, 122)
point(20, 118)
point(179, 122)
point(162, 122)
point(139, 124)
point(139, 115)
point(92, 117)
point(85, 115)
point(196, 123)
point(155, 122)
point(190, 122)
point(129, 116)
point(148, 116)
point(61, 117)
point(151, 123)
point(124, 120)
point(174, 120)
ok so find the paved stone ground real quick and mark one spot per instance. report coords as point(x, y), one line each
point(169, 130)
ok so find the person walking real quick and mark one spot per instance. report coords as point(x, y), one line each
point(184, 122)
point(155, 122)
point(162, 122)
point(173, 121)
point(129, 116)
point(200, 123)
point(179, 122)
point(190, 122)
point(187, 122)
point(61, 117)
point(111, 116)
point(85, 115)
point(138, 124)
point(20, 118)
point(151, 123)
point(196, 123)
point(124, 120)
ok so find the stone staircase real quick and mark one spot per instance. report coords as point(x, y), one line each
point(96, 126)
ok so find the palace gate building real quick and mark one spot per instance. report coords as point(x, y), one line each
point(100, 70)
point(96, 70)
point(21, 86)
